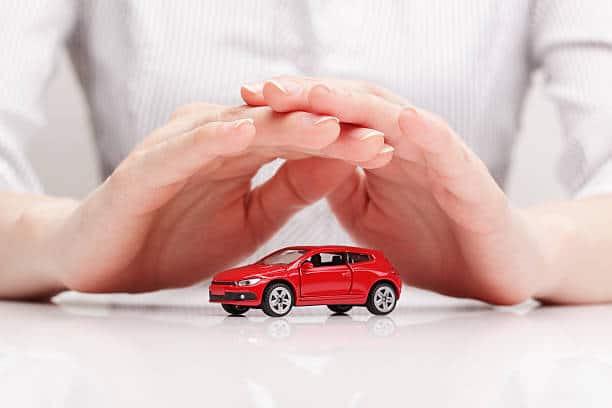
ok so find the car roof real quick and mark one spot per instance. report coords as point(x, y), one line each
point(341, 248)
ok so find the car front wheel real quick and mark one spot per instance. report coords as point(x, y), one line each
point(235, 309)
point(382, 299)
point(277, 300)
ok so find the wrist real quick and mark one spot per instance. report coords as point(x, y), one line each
point(39, 246)
point(552, 234)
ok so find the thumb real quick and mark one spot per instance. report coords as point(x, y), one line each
point(297, 184)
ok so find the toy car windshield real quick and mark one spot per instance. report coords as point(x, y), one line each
point(284, 257)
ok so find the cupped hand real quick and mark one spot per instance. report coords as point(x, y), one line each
point(434, 209)
point(180, 207)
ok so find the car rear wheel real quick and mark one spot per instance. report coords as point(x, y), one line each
point(277, 300)
point(339, 308)
point(382, 299)
point(235, 309)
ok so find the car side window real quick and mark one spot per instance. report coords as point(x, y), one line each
point(355, 257)
point(328, 259)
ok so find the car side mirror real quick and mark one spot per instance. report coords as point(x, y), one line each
point(307, 266)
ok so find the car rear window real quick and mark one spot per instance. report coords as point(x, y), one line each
point(355, 257)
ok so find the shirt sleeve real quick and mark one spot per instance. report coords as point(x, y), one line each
point(32, 37)
point(571, 43)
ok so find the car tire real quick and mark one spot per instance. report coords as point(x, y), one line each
point(340, 309)
point(235, 309)
point(277, 300)
point(382, 299)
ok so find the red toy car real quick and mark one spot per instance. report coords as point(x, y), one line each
point(337, 276)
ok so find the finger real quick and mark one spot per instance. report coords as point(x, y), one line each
point(349, 199)
point(350, 102)
point(347, 101)
point(384, 157)
point(294, 90)
point(301, 130)
point(364, 109)
point(309, 134)
point(297, 184)
point(183, 119)
point(356, 144)
point(209, 110)
point(252, 94)
point(461, 182)
point(148, 178)
point(290, 135)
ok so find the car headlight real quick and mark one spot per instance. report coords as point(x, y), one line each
point(248, 282)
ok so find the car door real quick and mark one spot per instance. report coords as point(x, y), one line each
point(363, 267)
point(329, 276)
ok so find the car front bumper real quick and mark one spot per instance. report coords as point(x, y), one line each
point(235, 295)
point(232, 296)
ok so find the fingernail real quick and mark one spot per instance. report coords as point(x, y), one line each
point(371, 134)
point(411, 110)
point(321, 88)
point(287, 87)
point(386, 149)
point(326, 119)
point(254, 88)
point(408, 117)
point(237, 123)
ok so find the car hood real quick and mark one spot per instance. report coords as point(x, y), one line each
point(250, 271)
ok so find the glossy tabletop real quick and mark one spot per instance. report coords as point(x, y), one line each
point(174, 349)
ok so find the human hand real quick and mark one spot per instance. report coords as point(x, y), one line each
point(434, 210)
point(180, 207)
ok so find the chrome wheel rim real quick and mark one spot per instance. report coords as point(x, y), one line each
point(384, 299)
point(280, 300)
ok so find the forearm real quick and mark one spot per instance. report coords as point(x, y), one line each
point(29, 249)
point(575, 239)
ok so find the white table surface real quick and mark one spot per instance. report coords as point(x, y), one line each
point(174, 349)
